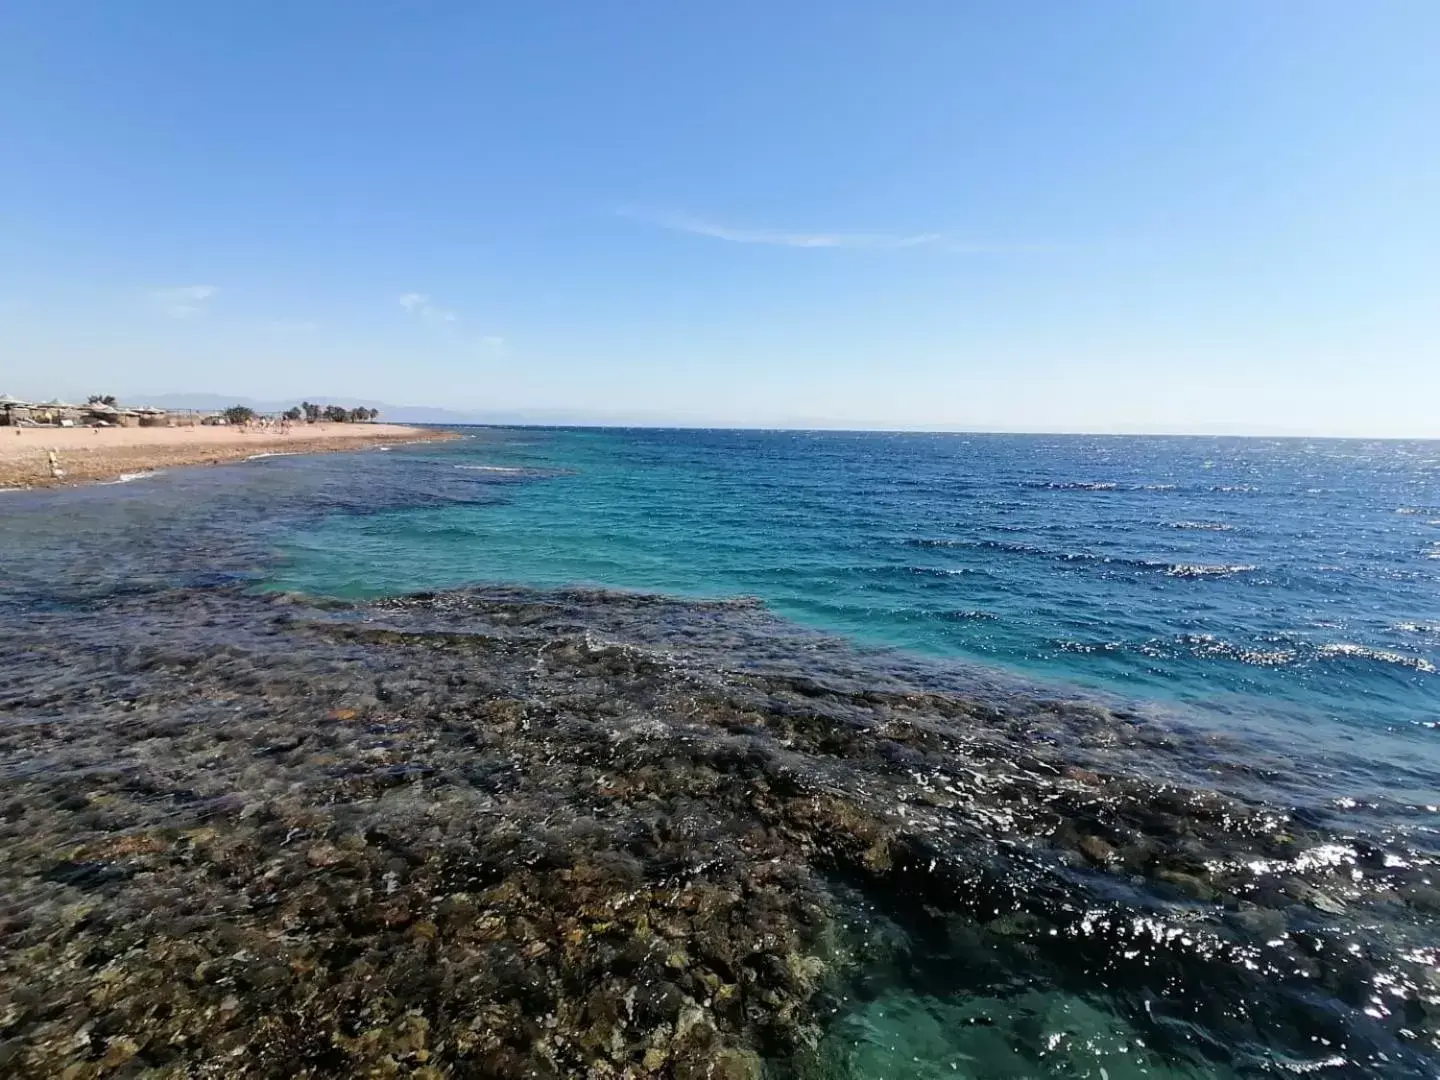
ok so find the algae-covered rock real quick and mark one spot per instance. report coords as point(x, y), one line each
point(503, 835)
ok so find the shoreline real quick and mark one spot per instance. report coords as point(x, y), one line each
point(90, 455)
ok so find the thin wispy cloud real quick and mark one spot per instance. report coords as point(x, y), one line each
point(736, 234)
point(419, 305)
point(687, 223)
point(183, 301)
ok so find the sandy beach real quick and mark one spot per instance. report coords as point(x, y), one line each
point(88, 454)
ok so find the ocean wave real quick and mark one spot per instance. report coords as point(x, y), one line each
point(937, 571)
point(892, 570)
point(1213, 647)
point(1010, 547)
point(1070, 485)
point(1093, 485)
point(1066, 645)
point(1013, 547)
point(1385, 656)
point(1201, 570)
point(1208, 646)
point(490, 468)
point(273, 453)
point(1202, 526)
point(129, 477)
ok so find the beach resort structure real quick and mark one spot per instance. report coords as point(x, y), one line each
point(15, 412)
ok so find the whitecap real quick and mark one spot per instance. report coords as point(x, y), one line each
point(1199, 570)
point(125, 478)
point(1384, 656)
point(1071, 485)
point(1210, 647)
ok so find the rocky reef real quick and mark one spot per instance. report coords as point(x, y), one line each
point(508, 834)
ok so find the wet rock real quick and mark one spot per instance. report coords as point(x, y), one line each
point(1422, 897)
point(1260, 923)
point(1315, 898)
point(1190, 884)
point(1097, 850)
point(733, 1064)
point(504, 835)
point(323, 855)
point(659, 1003)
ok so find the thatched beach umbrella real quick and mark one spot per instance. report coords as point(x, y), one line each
point(56, 408)
point(10, 404)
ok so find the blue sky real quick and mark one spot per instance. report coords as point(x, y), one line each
point(1143, 215)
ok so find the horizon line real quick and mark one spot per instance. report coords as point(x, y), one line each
point(560, 417)
point(877, 430)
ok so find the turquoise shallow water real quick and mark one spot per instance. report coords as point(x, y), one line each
point(1260, 582)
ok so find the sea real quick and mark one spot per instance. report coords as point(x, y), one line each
point(1032, 756)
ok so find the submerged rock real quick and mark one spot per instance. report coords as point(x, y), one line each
point(505, 834)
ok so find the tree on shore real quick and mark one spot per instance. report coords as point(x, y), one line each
point(239, 414)
point(101, 399)
point(335, 414)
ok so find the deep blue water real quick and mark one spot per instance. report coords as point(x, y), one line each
point(1290, 586)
